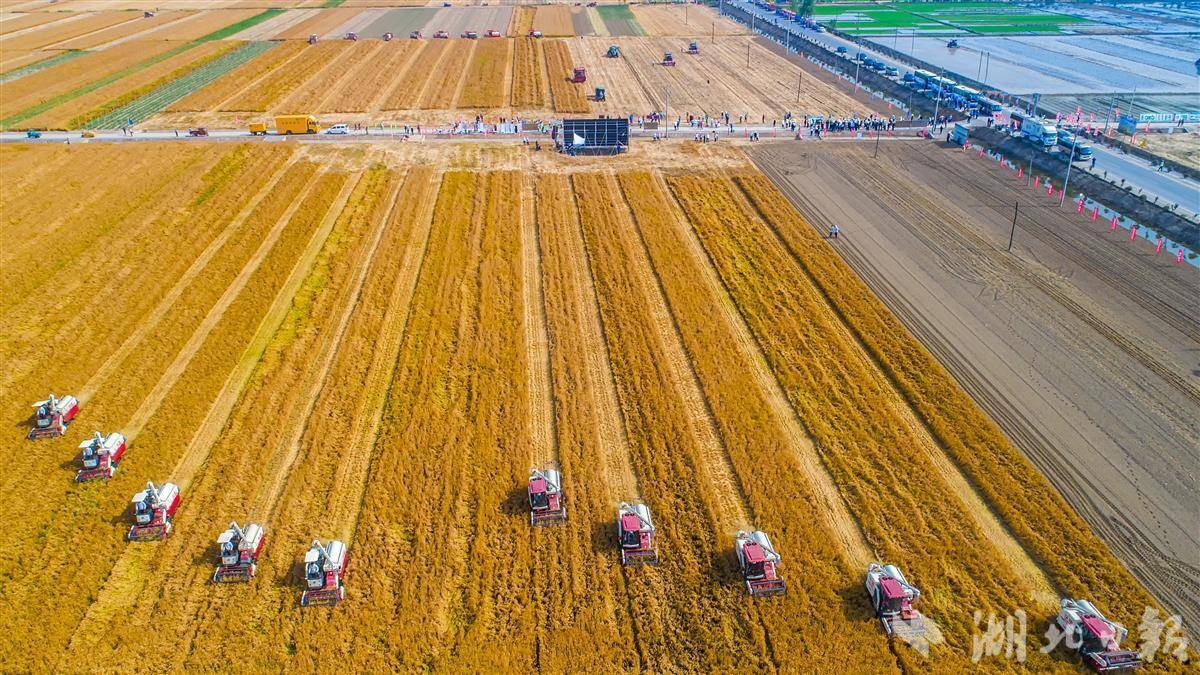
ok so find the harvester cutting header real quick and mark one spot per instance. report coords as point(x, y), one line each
point(893, 598)
point(238, 550)
point(760, 564)
point(547, 503)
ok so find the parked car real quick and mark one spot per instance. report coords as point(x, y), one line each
point(338, 129)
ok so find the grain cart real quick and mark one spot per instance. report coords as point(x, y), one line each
point(237, 552)
point(547, 503)
point(100, 456)
point(153, 510)
point(760, 564)
point(53, 415)
point(324, 566)
point(1097, 638)
point(636, 535)
point(893, 597)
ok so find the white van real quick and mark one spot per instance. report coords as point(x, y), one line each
point(338, 129)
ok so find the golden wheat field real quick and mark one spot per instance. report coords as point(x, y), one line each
point(375, 343)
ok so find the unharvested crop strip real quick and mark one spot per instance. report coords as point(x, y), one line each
point(446, 80)
point(406, 92)
point(528, 84)
point(567, 96)
point(484, 84)
point(216, 94)
point(537, 346)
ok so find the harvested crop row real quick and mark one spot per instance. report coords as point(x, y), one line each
point(251, 458)
point(265, 93)
point(761, 454)
point(485, 84)
point(61, 32)
point(226, 87)
point(689, 612)
point(528, 84)
point(342, 68)
point(407, 90)
point(205, 23)
point(16, 22)
point(851, 412)
point(101, 116)
point(371, 83)
point(567, 96)
point(80, 551)
point(46, 84)
point(579, 585)
point(442, 88)
point(319, 24)
point(123, 30)
point(1077, 560)
point(554, 21)
point(522, 20)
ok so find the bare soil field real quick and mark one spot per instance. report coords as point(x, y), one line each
point(455, 20)
point(669, 21)
point(439, 317)
point(1079, 344)
point(400, 22)
point(1183, 148)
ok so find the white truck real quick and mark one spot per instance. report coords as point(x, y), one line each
point(1039, 132)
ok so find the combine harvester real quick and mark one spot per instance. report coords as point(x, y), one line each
point(1098, 639)
point(492, 33)
point(441, 35)
point(312, 39)
point(693, 48)
point(387, 37)
point(470, 35)
point(153, 509)
point(535, 34)
point(668, 59)
point(415, 35)
point(893, 598)
point(547, 503)
point(324, 566)
point(613, 52)
point(352, 36)
point(53, 416)
point(636, 535)
point(101, 455)
point(237, 554)
point(579, 75)
point(760, 564)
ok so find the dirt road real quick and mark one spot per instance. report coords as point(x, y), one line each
point(1081, 345)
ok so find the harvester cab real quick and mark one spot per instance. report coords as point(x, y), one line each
point(668, 59)
point(893, 598)
point(153, 509)
point(1097, 638)
point(636, 535)
point(579, 75)
point(324, 566)
point(693, 47)
point(600, 93)
point(547, 503)
point(470, 34)
point(100, 456)
point(312, 39)
point(760, 564)
point(387, 37)
point(53, 416)
point(237, 552)
point(613, 51)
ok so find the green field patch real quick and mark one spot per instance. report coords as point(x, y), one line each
point(40, 65)
point(619, 20)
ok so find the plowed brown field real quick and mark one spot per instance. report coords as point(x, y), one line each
point(358, 342)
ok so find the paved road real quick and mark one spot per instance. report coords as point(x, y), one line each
point(1169, 186)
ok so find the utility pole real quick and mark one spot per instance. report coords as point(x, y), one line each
point(1108, 116)
point(978, 69)
point(685, 14)
point(877, 135)
point(1070, 163)
point(799, 84)
point(747, 54)
point(1013, 231)
point(857, 65)
point(987, 67)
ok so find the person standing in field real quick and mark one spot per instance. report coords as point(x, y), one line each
point(833, 231)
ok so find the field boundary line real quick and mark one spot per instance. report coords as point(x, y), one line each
point(840, 522)
point(384, 365)
point(174, 371)
point(537, 341)
point(718, 468)
point(612, 431)
point(160, 310)
point(141, 35)
point(1024, 566)
point(327, 351)
point(121, 588)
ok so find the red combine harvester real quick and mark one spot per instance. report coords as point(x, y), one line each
point(760, 564)
point(635, 535)
point(893, 598)
point(470, 34)
point(101, 455)
point(323, 570)
point(579, 75)
point(442, 35)
point(1098, 638)
point(415, 35)
point(153, 509)
point(493, 33)
point(668, 59)
point(238, 549)
point(547, 503)
point(53, 416)
point(535, 33)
